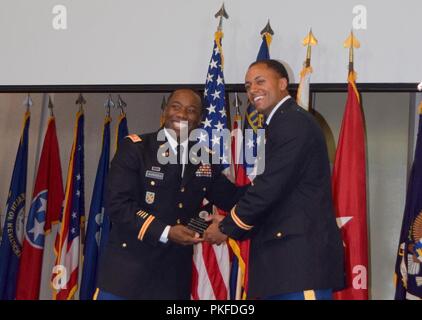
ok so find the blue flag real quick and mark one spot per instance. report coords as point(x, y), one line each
point(264, 50)
point(253, 120)
point(408, 273)
point(121, 132)
point(122, 129)
point(95, 228)
point(11, 245)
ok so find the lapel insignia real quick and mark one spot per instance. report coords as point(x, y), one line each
point(150, 197)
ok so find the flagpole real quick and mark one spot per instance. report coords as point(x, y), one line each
point(214, 118)
point(352, 43)
point(302, 95)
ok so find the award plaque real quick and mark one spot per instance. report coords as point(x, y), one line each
point(198, 224)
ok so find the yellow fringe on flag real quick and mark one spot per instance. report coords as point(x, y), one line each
point(352, 80)
point(217, 37)
point(268, 38)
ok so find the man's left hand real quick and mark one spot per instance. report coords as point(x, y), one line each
point(213, 234)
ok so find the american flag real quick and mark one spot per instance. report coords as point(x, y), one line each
point(211, 263)
point(67, 247)
point(215, 116)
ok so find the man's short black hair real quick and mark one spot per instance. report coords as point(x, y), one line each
point(275, 65)
point(200, 96)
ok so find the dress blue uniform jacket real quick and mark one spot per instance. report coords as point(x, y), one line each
point(288, 212)
point(143, 197)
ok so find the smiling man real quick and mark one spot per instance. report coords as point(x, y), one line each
point(296, 250)
point(149, 251)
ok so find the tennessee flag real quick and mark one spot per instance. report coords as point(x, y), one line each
point(349, 193)
point(67, 246)
point(47, 200)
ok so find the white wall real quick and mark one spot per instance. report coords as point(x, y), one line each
point(170, 41)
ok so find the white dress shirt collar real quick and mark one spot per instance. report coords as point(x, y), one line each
point(276, 108)
point(173, 145)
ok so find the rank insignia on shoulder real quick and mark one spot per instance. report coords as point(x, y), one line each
point(134, 137)
point(150, 197)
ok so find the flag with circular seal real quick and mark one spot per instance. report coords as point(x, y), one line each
point(11, 245)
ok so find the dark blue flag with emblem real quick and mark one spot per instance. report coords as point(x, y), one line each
point(121, 132)
point(122, 129)
point(244, 175)
point(95, 221)
point(408, 273)
point(13, 231)
point(254, 120)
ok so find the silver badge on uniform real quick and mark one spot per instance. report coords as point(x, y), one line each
point(203, 214)
point(150, 197)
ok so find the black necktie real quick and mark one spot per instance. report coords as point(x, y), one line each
point(179, 151)
point(265, 127)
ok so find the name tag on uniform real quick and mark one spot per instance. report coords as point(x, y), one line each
point(154, 175)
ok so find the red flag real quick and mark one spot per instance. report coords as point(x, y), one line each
point(45, 209)
point(349, 192)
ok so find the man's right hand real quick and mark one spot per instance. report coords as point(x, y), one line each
point(183, 235)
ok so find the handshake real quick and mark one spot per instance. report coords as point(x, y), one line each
point(198, 230)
